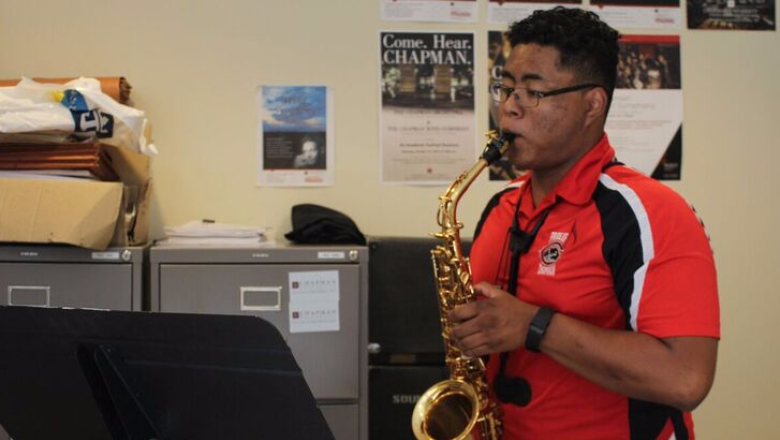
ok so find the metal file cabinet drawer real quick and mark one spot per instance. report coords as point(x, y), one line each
point(66, 285)
point(329, 359)
point(60, 276)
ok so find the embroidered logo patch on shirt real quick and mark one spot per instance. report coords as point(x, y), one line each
point(550, 254)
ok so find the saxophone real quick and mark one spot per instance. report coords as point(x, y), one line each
point(456, 408)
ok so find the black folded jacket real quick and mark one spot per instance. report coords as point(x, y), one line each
point(314, 224)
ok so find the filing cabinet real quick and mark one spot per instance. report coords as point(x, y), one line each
point(314, 295)
point(66, 276)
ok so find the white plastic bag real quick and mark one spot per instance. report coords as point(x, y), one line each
point(21, 114)
point(78, 107)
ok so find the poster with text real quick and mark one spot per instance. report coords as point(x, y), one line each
point(498, 51)
point(647, 14)
point(427, 124)
point(753, 15)
point(645, 120)
point(295, 141)
point(510, 11)
point(447, 11)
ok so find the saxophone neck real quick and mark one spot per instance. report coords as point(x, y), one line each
point(494, 149)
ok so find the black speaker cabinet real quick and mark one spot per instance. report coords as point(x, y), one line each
point(392, 393)
point(403, 309)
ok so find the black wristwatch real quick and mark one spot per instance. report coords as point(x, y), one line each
point(538, 328)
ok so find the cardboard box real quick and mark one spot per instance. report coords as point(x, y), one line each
point(88, 214)
point(132, 226)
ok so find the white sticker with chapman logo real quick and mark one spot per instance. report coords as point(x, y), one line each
point(314, 301)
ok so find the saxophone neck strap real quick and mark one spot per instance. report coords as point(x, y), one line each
point(520, 242)
point(517, 390)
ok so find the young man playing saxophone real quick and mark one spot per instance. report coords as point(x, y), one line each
point(612, 328)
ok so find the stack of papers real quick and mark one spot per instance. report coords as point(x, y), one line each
point(209, 233)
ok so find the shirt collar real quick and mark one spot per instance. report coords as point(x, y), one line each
point(578, 185)
point(580, 182)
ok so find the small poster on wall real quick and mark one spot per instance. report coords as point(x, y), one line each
point(754, 15)
point(295, 140)
point(447, 11)
point(645, 120)
point(510, 11)
point(427, 127)
point(648, 14)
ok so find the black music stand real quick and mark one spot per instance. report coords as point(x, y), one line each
point(109, 375)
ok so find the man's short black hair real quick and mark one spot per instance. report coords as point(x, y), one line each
point(588, 47)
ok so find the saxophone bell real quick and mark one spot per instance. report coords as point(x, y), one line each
point(448, 410)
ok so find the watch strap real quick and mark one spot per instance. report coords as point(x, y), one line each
point(538, 328)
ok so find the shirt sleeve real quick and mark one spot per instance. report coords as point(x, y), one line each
point(680, 293)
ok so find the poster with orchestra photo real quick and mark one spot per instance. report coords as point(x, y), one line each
point(752, 15)
point(645, 119)
point(427, 126)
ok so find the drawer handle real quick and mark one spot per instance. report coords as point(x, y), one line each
point(34, 296)
point(261, 298)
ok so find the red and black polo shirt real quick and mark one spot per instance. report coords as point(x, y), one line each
point(618, 250)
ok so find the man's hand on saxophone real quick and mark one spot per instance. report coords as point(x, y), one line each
point(498, 324)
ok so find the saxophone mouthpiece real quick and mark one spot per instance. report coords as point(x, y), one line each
point(496, 146)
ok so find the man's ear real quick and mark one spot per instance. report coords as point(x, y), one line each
point(596, 99)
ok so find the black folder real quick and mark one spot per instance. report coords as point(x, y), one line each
point(110, 375)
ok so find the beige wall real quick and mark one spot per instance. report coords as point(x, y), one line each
point(195, 66)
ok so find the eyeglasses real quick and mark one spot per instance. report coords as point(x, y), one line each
point(525, 97)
